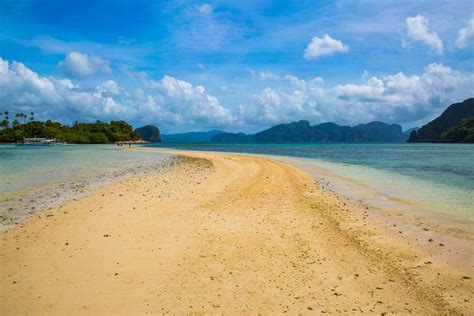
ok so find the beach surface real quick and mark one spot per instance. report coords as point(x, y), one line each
point(224, 233)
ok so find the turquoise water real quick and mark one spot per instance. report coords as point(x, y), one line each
point(24, 168)
point(435, 177)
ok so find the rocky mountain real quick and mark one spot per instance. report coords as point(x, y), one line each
point(232, 138)
point(149, 133)
point(461, 133)
point(451, 117)
point(191, 137)
point(303, 132)
point(408, 131)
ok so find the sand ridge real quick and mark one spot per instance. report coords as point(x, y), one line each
point(222, 233)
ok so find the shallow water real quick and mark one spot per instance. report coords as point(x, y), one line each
point(36, 178)
point(24, 167)
point(434, 177)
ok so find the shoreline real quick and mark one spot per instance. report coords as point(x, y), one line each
point(16, 206)
point(370, 197)
point(367, 197)
point(227, 233)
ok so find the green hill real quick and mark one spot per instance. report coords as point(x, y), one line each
point(451, 117)
point(461, 133)
point(149, 133)
point(303, 132)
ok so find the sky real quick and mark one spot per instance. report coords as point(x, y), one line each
point(236, 65)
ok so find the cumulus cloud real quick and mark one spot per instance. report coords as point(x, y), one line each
point(292, 80)
point(176, 104)
point(324, 46)
point(78, 65)
point(23, 89)
point(466, 34)
point(108, 86)
point(192, 104)
point(398, 98)
point(169, 102)
point(417, 31)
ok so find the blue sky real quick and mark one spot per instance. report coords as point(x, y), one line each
point(236, 65)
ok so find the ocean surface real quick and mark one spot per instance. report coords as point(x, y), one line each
point(25, 167)
point(431, 177)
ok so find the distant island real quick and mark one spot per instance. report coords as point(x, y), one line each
point(24, 126)
point(149, 133)
point(303, 132)
point(454, 125)
point(190, 137)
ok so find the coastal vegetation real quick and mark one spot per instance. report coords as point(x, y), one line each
point(24, 126)
point(454, 125)
point(461, 133)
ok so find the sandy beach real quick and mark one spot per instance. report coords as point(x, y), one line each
point(229, 234)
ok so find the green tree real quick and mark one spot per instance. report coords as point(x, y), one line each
point(6, 120)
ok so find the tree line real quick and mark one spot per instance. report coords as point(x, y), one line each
point(24, 126)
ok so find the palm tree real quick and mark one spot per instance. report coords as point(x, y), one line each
point(32, 118)
point(6, 121)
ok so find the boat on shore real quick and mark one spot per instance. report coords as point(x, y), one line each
point(38, 141)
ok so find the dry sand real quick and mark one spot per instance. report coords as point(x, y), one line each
point(223, 233)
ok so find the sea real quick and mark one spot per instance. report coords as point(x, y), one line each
point(433, 177)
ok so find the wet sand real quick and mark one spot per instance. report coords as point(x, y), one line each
point(17, 205)
point(223, 233)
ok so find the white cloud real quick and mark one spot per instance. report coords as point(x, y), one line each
point(178, 105)
point(466, 34)
point(397, 98)
point(108, 86)
point(170, 102)
point(417, 31)
point(205, 8)
point(324, 46)
point(23, 89)
point(192, 104)
point(78, 65)
point(268, 75)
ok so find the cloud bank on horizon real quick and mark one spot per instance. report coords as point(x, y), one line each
point(188, 65)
